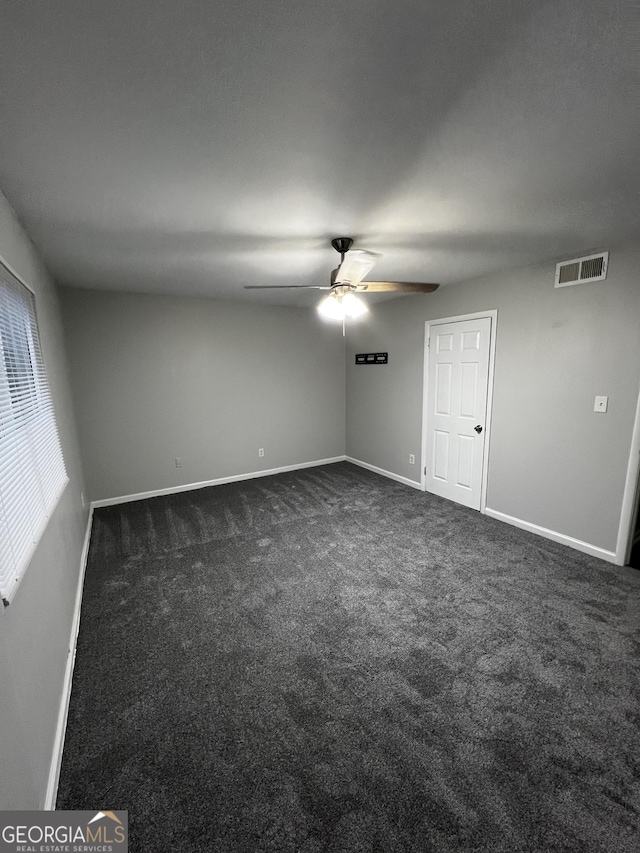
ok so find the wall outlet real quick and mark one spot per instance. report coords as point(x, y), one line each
point(261, 451)
point(412, 459)
point(178, 461)
point(600, 404)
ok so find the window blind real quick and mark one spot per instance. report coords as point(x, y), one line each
point(32, 472)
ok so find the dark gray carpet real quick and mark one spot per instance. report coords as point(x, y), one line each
point(327, 660)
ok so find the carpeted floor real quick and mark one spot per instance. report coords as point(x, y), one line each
point(327, 660)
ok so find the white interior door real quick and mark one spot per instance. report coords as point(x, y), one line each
point(458, 377)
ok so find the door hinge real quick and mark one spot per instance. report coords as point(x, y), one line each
point(425, 469)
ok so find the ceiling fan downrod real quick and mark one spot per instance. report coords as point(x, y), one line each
point(342, 245)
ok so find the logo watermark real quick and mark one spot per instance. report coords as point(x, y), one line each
point(64, 832)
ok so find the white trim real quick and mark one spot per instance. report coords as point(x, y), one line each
point(563, 539)
point(407, 482)
point(58, 743)
point(174, 490)
point(491, 314)
point(630, 495)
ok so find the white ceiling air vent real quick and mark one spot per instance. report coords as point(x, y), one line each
point(581, 270)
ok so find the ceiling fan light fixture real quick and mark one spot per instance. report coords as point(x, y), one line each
point(331, 308)
point(353, 306)
point(337, 306)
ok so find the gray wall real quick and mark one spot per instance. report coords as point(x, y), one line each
point(158, 377)
point(35, 629)
point(553, 461)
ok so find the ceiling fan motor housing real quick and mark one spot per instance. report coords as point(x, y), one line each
point(342, 244)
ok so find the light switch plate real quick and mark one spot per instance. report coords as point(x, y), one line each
point(601, 404)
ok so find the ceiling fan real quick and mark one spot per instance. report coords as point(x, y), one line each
point(347, 280)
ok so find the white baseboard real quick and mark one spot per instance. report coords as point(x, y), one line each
point(563, 539)
point(58, 744)
point(407, 482)
point(174, 490)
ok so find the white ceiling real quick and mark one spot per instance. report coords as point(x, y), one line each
point(190, 146)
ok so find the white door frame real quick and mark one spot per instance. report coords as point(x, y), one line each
point(493, 316)
point(630, 495)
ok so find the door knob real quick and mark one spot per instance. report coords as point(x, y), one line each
point(478, 429)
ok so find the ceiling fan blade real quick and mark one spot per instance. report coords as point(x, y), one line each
point(355, 266)
point(396, 287)
point(279, 286)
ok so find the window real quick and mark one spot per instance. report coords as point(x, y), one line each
point(32, 473)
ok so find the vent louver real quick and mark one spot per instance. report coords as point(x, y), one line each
point(582, 270)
